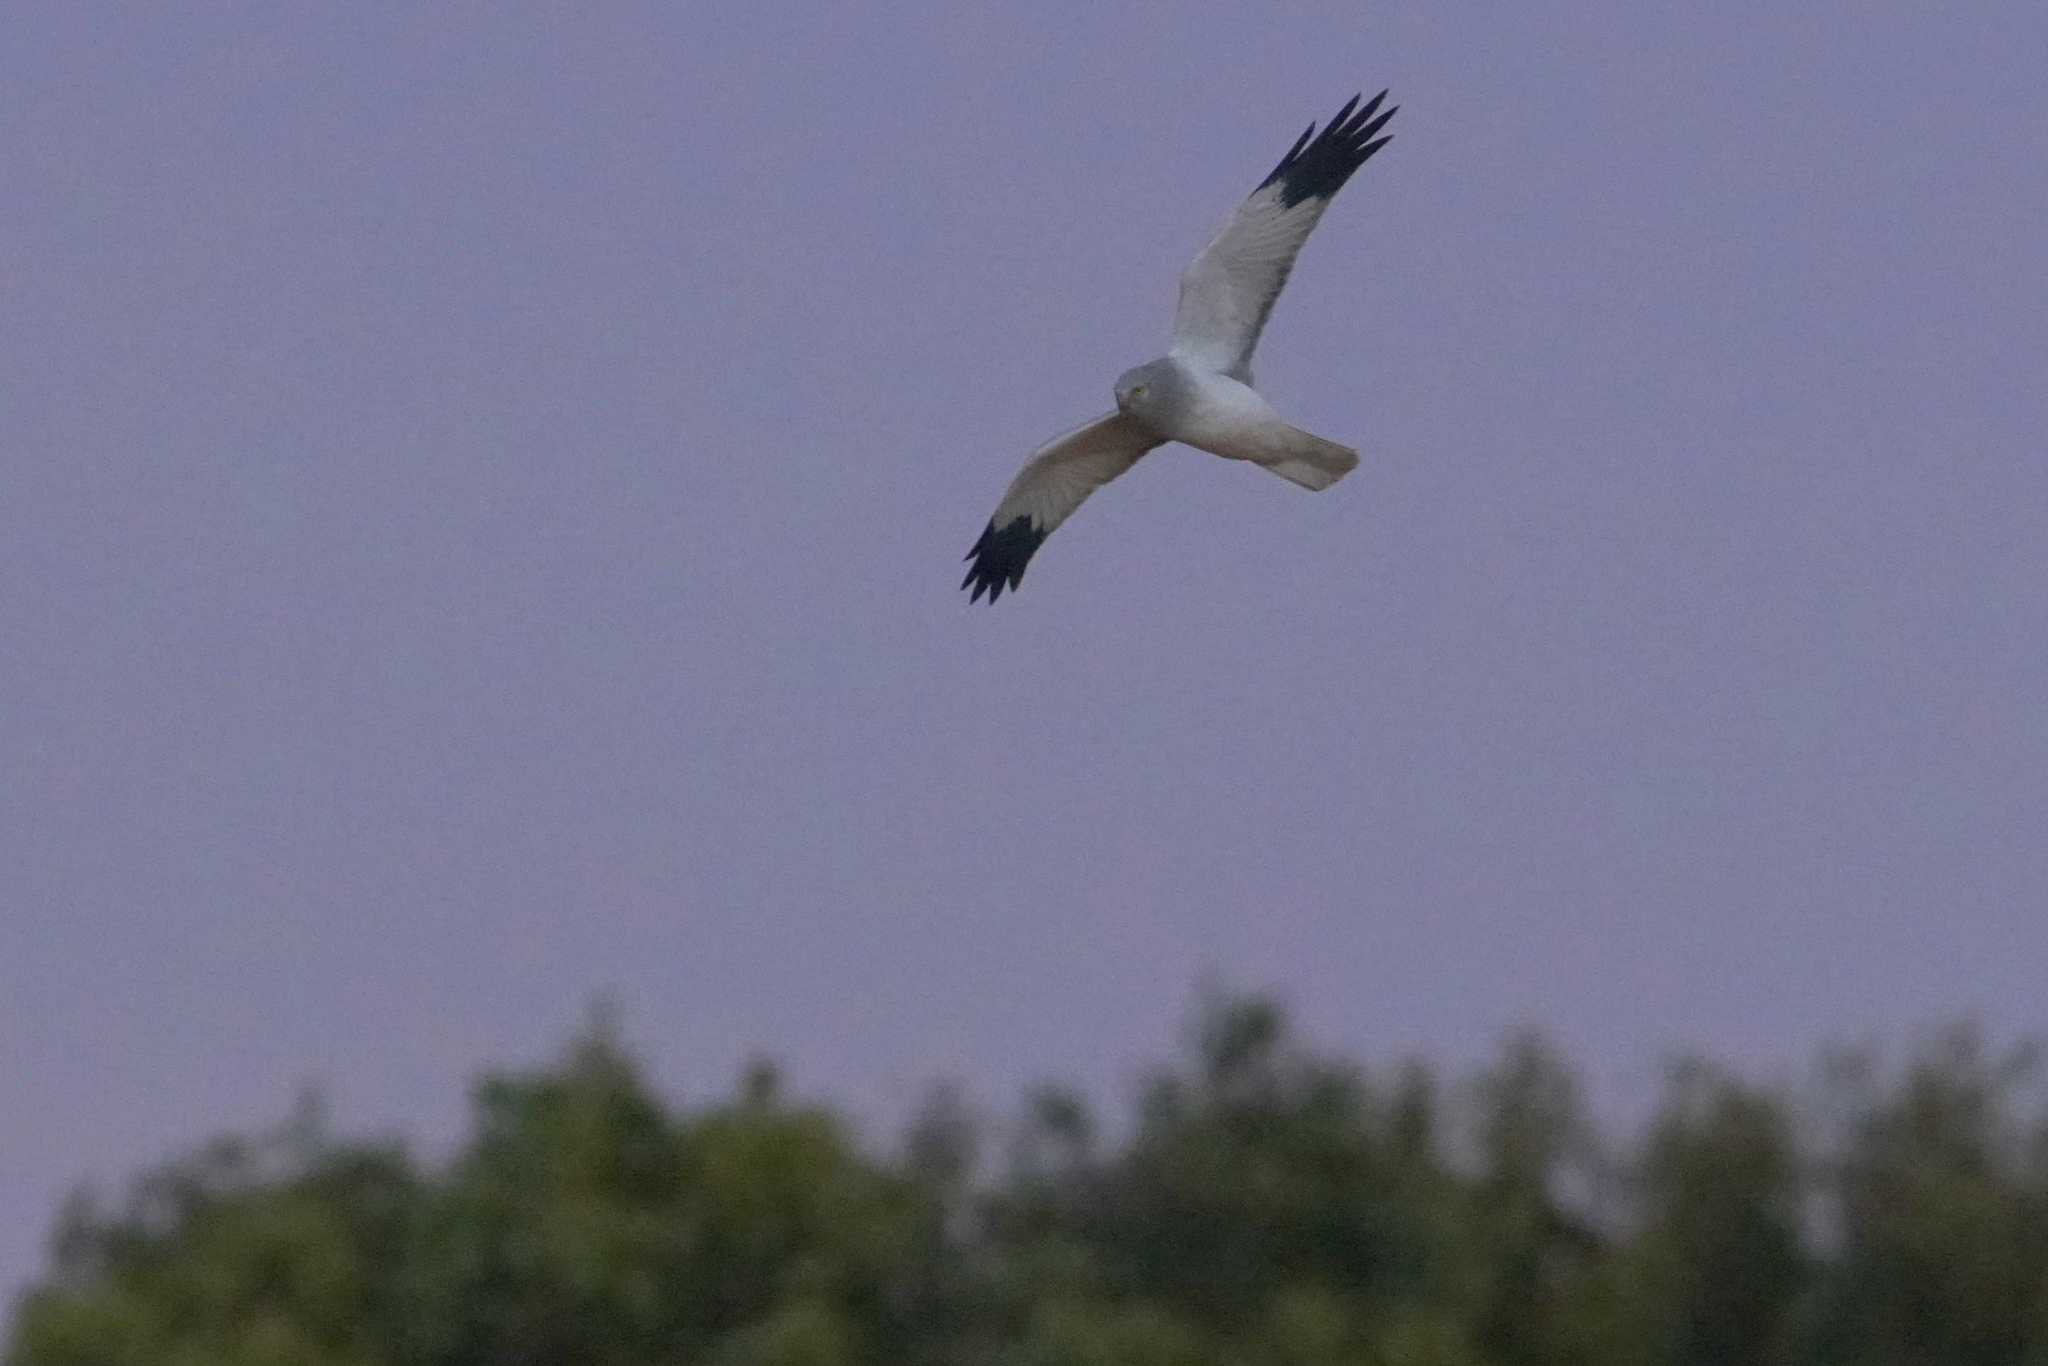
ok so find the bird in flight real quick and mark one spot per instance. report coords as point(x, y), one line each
point(1200, 392)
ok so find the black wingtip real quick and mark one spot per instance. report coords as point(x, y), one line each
point(999, 558)
point(1316, 167)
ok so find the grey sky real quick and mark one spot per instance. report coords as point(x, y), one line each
point(484, 496)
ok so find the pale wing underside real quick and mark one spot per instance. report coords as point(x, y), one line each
point(1228, 290)
point(1057, 479)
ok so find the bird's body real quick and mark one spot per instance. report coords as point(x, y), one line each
point(1202, 408)
point(1224, 416)
point(1200, 392)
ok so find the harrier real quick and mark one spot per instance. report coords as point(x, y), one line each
point(1200, 392)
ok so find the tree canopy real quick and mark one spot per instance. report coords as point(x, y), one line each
point(1262, 1204)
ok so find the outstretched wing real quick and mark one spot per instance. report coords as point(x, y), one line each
point(1227, 291)
point(1057, 479)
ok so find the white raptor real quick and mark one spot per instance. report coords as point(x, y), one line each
point(1200, 392)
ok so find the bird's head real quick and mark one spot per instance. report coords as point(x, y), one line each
point(1137, 390)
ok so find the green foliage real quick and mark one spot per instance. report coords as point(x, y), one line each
point(1941, 1196)
point(1263, 1206)
point(1716, 1266)
point(256, 1253)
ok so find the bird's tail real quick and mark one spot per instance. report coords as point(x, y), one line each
point(1306, 459)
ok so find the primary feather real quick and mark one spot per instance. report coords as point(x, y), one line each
point(1228, 291)
point(1057, 479)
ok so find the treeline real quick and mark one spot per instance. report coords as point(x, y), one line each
point(1262, 1205)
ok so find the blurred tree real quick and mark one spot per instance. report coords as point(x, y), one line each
point(800, 1333)
point(249, 1253)
point(1269, 1200)
point(1256, 1168)
point(939, 1305)
point(1715, 1264)
point(1128, 1334)
point(1942, 1213)
point(1536, 1252)
point(585, 1225)
point(560, 1232)
point(1264, 1206)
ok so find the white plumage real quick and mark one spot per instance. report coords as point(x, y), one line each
point(1200, 392)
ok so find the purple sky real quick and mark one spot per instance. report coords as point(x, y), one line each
point(484, 499)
